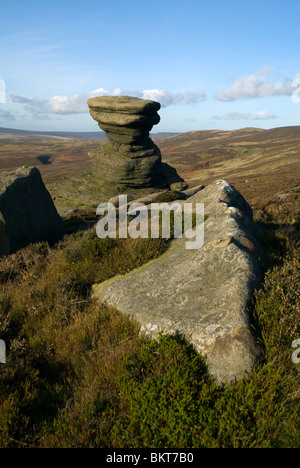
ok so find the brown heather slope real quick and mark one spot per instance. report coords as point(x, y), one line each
point(66, 156)
point(67, 152)
point(259, 163)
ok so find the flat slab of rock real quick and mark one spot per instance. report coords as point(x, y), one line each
point(204, 294)
point(27, 212)
point(124, 105)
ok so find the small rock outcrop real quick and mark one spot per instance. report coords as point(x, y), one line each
point(204, 294)
point(130, 159)
point(27, 212)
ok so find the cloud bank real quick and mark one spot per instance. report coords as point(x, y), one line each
point(255, 86)
point(77, 104)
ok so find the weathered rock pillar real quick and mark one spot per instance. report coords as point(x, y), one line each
point(130, 159)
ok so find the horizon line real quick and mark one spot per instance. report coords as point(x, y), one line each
point(153, 133)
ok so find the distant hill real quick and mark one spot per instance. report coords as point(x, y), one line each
point(254, 160)
point(25, 135)
point(200, 150)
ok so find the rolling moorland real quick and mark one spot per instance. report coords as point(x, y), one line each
point(80, 375)
point(251, 159)
point(62, 152)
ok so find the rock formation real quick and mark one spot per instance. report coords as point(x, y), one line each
point(204, 294)
point(130, 159)
point(129, 164)
point(27, 212)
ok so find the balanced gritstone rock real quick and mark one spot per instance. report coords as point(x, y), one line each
point(129, 164)
point(130, 159)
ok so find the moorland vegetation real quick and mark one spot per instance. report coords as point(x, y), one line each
point(79, 374)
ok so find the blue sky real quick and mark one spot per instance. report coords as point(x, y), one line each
point(218, 64)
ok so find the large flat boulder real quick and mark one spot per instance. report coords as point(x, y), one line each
point(27, 212)
point(204, 294)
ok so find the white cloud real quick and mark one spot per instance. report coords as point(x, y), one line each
point(105, 92)
point(165, 98)
point(77, 104)
point(261, 115)
point(66, 105)
point(56, 105)
point(255, 86)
